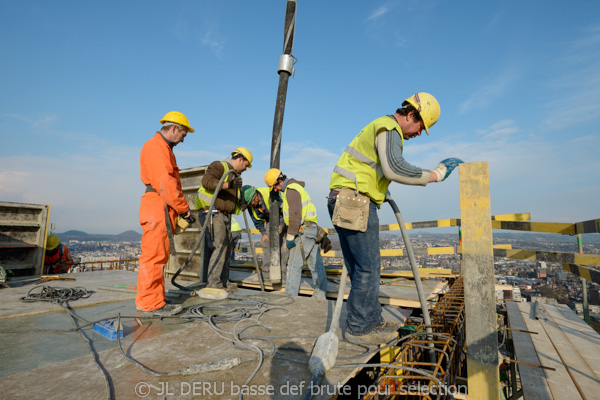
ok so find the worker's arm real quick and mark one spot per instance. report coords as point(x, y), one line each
point(258, 223)
point(213, 175)
point(395, 168)
point(295, 202)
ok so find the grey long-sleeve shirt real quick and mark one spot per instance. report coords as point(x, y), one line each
point(395, 168)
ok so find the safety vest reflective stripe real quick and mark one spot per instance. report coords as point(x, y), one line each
point(364, 159)
point(309, 211)
point(359, 167)
point(204, 196)
point(345, 173)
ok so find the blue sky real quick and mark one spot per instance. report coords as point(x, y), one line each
point(84, 85)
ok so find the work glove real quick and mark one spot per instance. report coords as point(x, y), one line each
point(445, 167)
point(236, 183)
point(325, 244)
point(290, 241)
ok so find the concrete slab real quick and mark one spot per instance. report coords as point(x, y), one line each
point(51, 365)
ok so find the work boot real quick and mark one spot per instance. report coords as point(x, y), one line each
point(231, 287)
point(380, 334)
point(168, 310)
point(167, 301)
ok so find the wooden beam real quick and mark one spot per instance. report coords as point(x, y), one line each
point(512, 217)
point(477, 267)
point(567, 258)
point(592, 275)
point(548, 227)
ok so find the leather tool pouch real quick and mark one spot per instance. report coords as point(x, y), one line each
point(321, 233)
point(351, 210)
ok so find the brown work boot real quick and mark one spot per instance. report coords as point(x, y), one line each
point(168, 310)
point(231, 287)
point(380, 334)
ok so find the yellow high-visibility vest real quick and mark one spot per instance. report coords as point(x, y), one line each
point(264, 191)
point(309, 211)
point(359, 167)
point(204, 196)
point(235, 226)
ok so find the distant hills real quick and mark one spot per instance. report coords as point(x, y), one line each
point(127, 236)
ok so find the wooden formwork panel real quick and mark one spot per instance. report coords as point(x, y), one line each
point(23, 230)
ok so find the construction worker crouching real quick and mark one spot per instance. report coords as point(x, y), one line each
point(359, 184)
point(258, 203)
point(162, 202)
point(218, 233)
point(57, 259)
point(300, 216)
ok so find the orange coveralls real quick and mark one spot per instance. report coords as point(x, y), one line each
point(158, 168)
point(58, 261)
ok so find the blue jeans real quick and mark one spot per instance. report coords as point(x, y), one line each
point(314, 261)
point(363, 261)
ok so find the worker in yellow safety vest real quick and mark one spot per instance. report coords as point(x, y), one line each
point(258, 203)
point(218, 233)
point(358, 185)
point(300, 217)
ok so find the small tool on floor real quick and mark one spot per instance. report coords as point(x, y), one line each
point(108, 329)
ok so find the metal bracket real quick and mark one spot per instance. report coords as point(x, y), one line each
point(286, 63)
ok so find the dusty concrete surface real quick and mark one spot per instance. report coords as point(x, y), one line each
point(59, 365)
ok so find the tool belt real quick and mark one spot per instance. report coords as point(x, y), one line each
point(351, 210)
point(149, 189)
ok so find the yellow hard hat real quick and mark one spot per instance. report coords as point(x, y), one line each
point(52, 242)
point(246, 153)
point(272, 176)
point(178, 118)
point(428, 108)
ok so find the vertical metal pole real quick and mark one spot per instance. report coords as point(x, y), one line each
point(284, 75)
point(586, 306)
point(478, 272)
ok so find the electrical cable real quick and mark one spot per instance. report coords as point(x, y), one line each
point(62, 296)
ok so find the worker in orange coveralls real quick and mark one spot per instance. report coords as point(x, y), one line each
point(57, 259)
point(160, 174)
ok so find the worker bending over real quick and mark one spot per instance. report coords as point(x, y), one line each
point(258, 203)
point(359, 184)
point(57, 259)
point(218, 233)
point(161, 204)
point(300, 216)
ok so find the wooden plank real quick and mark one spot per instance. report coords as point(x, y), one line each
point(512, 217)
point(581, 355)
point(548, 227)
point(533, 380)
point(477, 268)
point(567, 258)
point(592, 275)
point(591, 226)
point(561, 385)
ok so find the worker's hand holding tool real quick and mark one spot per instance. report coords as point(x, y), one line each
point(289, 241)
point(445, 168)
point(236, 183)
